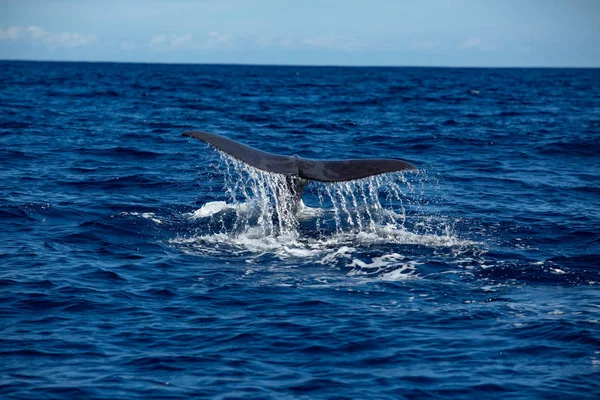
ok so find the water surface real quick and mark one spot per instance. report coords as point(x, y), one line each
point(138, 263)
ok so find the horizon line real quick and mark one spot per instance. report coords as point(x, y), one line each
point(294, 65)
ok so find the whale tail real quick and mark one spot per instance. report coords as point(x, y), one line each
point(303, 168)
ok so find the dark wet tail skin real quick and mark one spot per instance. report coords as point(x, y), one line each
point(318, 170)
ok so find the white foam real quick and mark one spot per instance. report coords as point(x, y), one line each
point(405, 272)
point(356, 222)
point(378, 262)
point(146, 215)
point(389, 267)
point(338, 250)
point(305, 212)
point(211, 208)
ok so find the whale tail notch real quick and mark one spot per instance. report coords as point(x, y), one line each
point(304, 168)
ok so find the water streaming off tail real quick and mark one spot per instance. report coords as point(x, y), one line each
point(267, 204)
point(371, 226)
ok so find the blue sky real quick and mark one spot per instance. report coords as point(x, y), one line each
point(547, 33)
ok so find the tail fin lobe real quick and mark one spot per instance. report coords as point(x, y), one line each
point(318, 170)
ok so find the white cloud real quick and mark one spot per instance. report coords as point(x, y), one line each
point(37, 34)
point(286, 43)
point(218, 40)
point(176, 41)
point(11, 33)
point(271, 41)
point(332, 43)
point(159, 40)
point(127, 45)
point(222, 41)
point(214, 40)
point(70, 39)
point(475, 43)
point(186, 41)
point(265, 41)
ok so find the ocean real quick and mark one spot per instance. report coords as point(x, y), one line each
point(137, 263)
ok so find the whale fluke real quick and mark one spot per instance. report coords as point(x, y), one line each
point(305, 168)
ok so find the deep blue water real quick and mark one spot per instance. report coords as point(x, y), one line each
point(124, 275)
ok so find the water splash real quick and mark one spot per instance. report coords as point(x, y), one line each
point(260, 219)
point(263, 202)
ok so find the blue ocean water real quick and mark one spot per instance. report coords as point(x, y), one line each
point(137, 263)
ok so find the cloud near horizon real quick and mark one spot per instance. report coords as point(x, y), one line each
point(221, 41)
point(217, 42)
point(476, 43)
point(211, 41)
point(36, 34)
